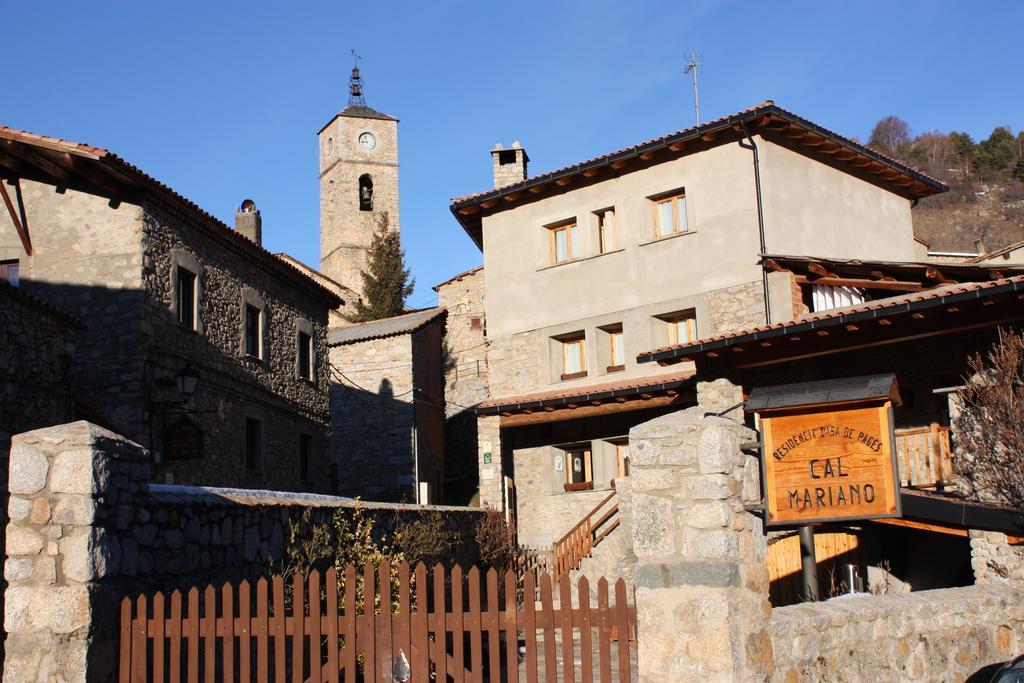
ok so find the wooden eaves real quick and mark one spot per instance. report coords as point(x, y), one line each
point(768, 120)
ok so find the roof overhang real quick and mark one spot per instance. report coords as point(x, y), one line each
point(767, 120)
point(96, 171)
point(916, 316)
point(589, 401)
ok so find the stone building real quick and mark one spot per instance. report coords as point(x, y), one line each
point(387, 407)
point(358, 185)
point(647, 246)
point(197, 343)
point(465, 378)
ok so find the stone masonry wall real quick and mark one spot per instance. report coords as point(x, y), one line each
point(701, 580)
point(465, 379)
point(993, 559)
point(738, 307)
point(939, 635)
point(372, 416)
point(87, 529)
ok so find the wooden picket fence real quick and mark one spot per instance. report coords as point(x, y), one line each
point(451, 627)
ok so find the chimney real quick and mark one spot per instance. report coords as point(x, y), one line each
point(248, 222)
point(509, 164)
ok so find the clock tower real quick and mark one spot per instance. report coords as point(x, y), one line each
point(358, 185)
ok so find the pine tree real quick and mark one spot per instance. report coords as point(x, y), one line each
point(387, 284)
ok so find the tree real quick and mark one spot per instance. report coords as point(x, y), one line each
point(995, 154)
point(990, 428)
point(387, 284)
point(963, 151)
point(890, 134)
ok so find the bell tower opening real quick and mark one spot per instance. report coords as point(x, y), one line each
point(365, 192)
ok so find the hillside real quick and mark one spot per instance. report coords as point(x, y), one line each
point(984, 208)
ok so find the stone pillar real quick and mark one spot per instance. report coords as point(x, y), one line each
point(489, 455)
point(65, 484)
point(701, 580)
point(722, 397)
point(993, 559)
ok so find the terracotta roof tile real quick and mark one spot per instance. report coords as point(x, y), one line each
point(564, 394)
point(877, 305)
point(107, 158)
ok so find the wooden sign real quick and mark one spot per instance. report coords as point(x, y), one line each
point(829, 463)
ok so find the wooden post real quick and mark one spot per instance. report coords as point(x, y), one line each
point(808, 564)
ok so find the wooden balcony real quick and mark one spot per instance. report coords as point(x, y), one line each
point(925, 457)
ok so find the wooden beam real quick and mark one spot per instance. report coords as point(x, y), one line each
point(536, 189)
point(774, 266)
point(710, 136)
point(585, 411)
point(619, 163)
point(677, 146)
point(512, 196)
point(879, 275)
point(469, 210)
point(98, 179)
point(591, 172)
point(562, 182)
point(489, 203)
point(838, 281)
point(22, 230)
point(647, 156)
point(933, 273)
point(819, 270)
point(924, 526)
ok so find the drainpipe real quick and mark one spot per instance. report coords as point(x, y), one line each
point(752, 146)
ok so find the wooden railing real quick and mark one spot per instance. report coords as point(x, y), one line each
point(321, 628)
point(568, 551)
point(925, 456)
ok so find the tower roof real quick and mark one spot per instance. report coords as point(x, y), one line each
point(357, 108)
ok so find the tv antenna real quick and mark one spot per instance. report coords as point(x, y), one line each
point(691, 67)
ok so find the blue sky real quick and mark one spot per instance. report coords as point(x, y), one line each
point(222, 100)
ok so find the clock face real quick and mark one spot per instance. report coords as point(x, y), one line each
point(367, 141)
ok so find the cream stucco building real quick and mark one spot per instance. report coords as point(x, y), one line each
point(660, 243)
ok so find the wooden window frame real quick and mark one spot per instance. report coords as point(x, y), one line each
point(674, 198)
point(621, 460)
point(607, 231)
point(570, 252)
point(256, 353)
point(10, 266)
point(673, 330)
point(304, 343)
point(582, 341)
point(192, 323)
point(617, 364)
point(588, 470)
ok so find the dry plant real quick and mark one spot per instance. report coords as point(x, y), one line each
point(990, 429)
point(883, 587)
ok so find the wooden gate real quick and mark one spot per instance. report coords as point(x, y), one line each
point(450, 627)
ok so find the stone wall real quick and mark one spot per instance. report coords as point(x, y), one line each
point(736, 308)
point(514, 364)
point(491, 462)
point(465, 378)
point(373, 416)
point(948, 635)
point(993, 559)
point(112, 269)
point(87, 529)
point(701, 580)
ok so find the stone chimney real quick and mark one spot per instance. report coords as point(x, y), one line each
point(509, 164)
point(248, 221)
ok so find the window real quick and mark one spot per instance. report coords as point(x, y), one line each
point(365, 192)
point(564, 242)
point(579, 471)
point(9, 272)
point(574, 357)
point(253, 444)
point(305, 360)
point(186, 298)
point(616, 350)
point(305, 456)
point(670, 215)
point(682, 329)
point(253, 317)
point(607, 240)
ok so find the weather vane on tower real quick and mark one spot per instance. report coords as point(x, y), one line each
point(355, 84)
